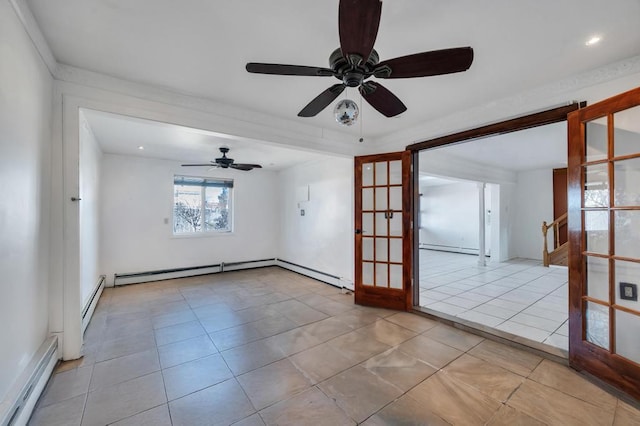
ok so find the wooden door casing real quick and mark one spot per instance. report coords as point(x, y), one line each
point(560, 201)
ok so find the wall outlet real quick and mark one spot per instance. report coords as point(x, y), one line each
point(301, 212)
point(628, 291)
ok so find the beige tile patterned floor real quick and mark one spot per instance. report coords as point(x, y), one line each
point(272, 347)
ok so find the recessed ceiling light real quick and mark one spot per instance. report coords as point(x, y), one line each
point(593, 40)
point(141, 147)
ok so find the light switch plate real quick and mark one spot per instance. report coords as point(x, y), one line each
point(628, 291)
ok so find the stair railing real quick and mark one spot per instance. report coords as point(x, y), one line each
point(556, 224)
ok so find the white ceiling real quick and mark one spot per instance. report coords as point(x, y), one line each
point(201, 47)
point(118, 134)
point(429, 180)
point(538, 148)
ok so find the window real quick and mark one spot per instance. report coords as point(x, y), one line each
point(201, 205)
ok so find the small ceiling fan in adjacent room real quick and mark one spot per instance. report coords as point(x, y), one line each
point(225, 162)
point(355, 61)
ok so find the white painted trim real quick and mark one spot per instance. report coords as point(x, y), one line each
point(226, 119)
point(37, 38)
point(72, 300)
point(56, 217)
point(22, 397)
point(482, 261)
point(560, 92)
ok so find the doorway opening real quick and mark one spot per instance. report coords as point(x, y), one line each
point(480, 209)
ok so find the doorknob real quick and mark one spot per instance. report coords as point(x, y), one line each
point(76, 198)
point(358, 231)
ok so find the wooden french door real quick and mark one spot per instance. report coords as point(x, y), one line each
point(604, 239)
point(383, 249)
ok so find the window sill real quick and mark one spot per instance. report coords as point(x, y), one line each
point(203, 235)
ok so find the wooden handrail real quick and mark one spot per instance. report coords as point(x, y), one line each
point(556, 224)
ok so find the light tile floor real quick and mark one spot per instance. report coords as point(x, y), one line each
point(272, 347)
point(519, 296)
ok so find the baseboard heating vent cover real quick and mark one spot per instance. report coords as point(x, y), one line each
point(16, 408)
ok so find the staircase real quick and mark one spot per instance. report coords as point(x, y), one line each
point(560, 253)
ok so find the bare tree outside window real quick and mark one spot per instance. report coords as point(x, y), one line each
point(201, 205)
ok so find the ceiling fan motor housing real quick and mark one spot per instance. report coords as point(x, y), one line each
point(223, 161)
point(352, 71)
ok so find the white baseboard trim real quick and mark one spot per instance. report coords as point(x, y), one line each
point(17, 407)
point(91, 304)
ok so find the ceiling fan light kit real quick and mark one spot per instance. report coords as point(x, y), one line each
point(346, 112)
point(356, 61)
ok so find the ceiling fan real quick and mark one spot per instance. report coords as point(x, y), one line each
point(356, 61)
point(226, 163)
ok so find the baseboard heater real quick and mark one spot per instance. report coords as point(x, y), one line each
point(451, 249)
point(91, 304)
point(334, 280)
point(18, 405)
point(190, 271)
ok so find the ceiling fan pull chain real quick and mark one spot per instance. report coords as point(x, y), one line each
point(361, 118)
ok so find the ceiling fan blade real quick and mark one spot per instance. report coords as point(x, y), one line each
point(322, 100)
point(278, 69)
point(245, 167)
point(199, 165)
point(426, 64)
point(358, 26)
point(382, 99)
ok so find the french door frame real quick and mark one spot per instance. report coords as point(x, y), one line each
point(554, 115)
point(603, 363)
point(375, 294)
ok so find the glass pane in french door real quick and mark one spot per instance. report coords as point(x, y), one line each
point(625, 227)
point(604, 228)
point(611, 233)
point(382, 224)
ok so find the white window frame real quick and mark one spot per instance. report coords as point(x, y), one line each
point(203, 182)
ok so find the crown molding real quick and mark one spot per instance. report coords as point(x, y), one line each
point(260, 125)
point(561, 92)
point(33, 30)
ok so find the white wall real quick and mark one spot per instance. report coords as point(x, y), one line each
point(90, 171)
point(323, 238)
point(137, 198)
point(25, 157)
point(503, 215)
point(533, 204)
point(449, 216)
